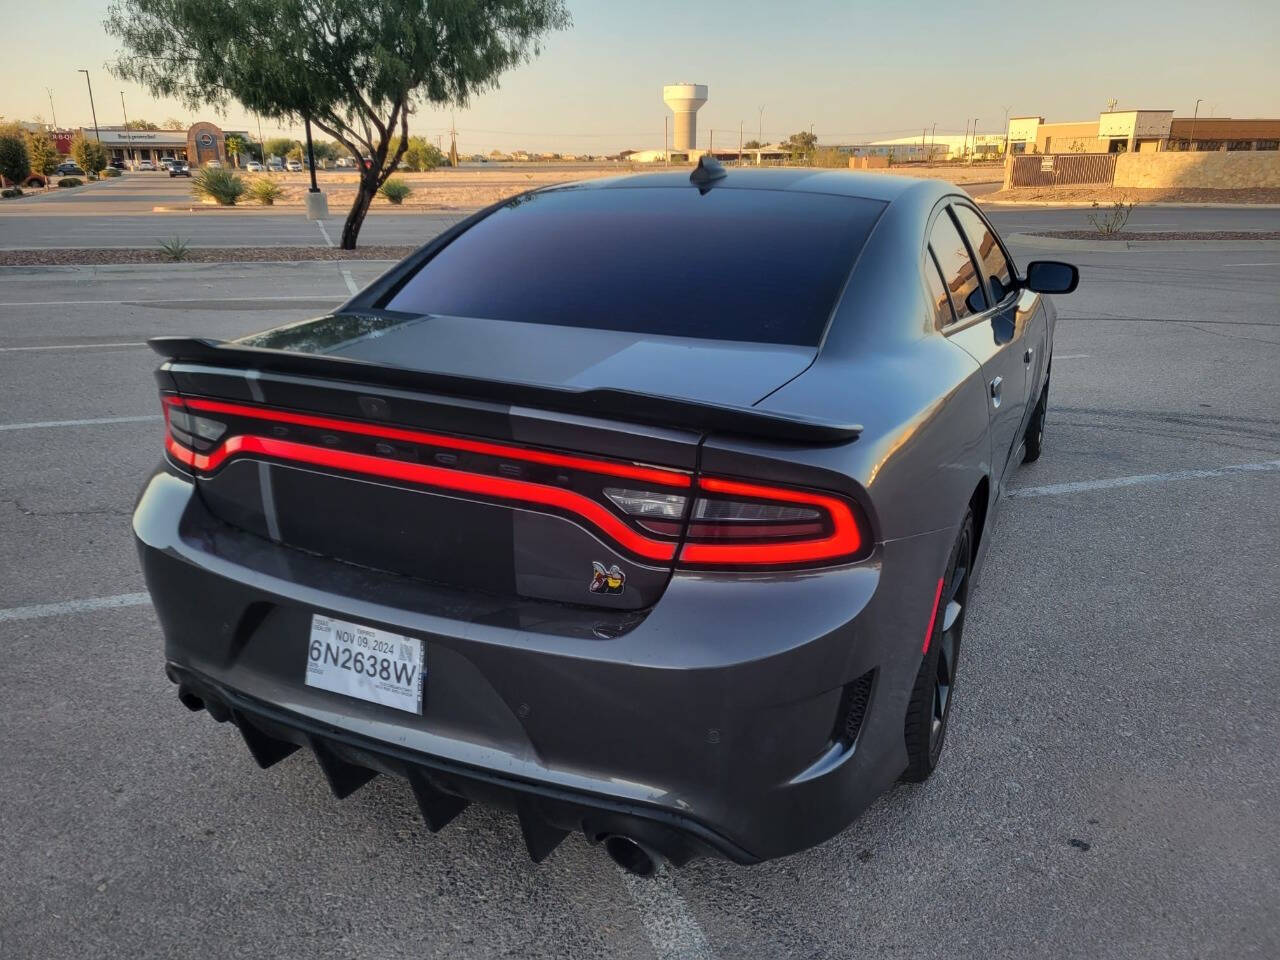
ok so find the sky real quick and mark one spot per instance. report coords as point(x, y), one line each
point(854, 71)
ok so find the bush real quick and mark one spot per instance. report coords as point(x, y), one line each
point(15, 162)
point(111, 172)
point(218, 184)
point(395, 190)
point(70, 182)
point(1110, 221)
point(265, 191)
point(9, 192)
point(175, 248)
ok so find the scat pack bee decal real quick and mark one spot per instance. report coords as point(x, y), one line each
point(610, 581)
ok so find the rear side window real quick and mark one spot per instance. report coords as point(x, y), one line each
point(987, 248)
point(958, 270)
point(763, 266)
point(938, 298)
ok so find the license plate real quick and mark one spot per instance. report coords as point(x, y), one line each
point(367, 663)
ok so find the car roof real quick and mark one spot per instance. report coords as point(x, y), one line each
point(847, 183)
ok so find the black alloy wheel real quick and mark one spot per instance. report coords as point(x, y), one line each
point(930, 707)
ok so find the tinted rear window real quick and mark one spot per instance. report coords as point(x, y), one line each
point(763, 266)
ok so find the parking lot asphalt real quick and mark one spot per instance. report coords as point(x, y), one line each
point(1111, 776)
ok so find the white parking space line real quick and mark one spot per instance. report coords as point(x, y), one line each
point(41, 610)
point(1275, 263)
point(670, 927)
point(1142, 479)
point(76, 346)
point(324, 233)
point(41, 424)
point(351, 283)
point(1070, 356)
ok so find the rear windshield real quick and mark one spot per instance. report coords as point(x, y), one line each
point(762, 266)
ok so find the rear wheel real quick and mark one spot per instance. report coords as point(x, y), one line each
point(930, 706)
point(1034, 439)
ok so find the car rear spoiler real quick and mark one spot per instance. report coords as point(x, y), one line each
point(601, 402)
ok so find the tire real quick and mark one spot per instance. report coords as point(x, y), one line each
point(930, 707)
point(1033, 440)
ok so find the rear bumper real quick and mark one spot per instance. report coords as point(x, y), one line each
point(709, 725)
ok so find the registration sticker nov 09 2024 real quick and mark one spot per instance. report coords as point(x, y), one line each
point(367, 663)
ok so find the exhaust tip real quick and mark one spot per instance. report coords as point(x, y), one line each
point(190, 700)
point(631, 856)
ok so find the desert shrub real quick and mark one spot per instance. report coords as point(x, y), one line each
point(265, 191)
point(175, 248)
point(395, 190)
point(111, 172)
point(9, 192)
point(70, 182)
point(1109, 221)
point(219, 184)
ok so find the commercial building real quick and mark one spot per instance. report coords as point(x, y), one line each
point(1128, 131)
point(198, 144)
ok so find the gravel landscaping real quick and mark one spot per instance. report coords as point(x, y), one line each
point(77, 256)
point(1109, 195)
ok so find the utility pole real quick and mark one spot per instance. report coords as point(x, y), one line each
point(1191, 140)
point(739, 143)
point(97, 136)
point(666, 157)
point(51, 110)
point(453, 142)
point(760, 128)
point(127, 132)
point(975, 135)
point(1006, 129)
point(933, 140)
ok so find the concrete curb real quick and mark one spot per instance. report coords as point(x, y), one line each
point(1142, 246)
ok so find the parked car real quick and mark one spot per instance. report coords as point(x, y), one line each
point(676, 556)
point(275, 165)
point(179, 168)
point(166, 163)
point(253, 166)
point(145, 165)
point(115, 164)
point(345, 162)
point(294, 166)
point(215, 164)
point(69, 168)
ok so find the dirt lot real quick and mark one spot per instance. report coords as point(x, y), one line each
point(1111, 195)
point(467, 188)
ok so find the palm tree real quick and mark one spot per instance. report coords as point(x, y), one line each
point(235, 146)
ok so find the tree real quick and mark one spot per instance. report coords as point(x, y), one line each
point(279, 146)
point(295, 152)
point(175, 123)
point(44, 154)
point(421, 154)
point(89, 154)
point(355, 68)
point(752, 145)
point(141, 125)
point(235, 146)
point(801, 145)
point(326, 151)
point(15, 162)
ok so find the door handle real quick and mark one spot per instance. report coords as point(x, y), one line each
point(1026, 357)
point(996, 384)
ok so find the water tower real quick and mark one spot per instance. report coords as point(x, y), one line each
point(684, 99)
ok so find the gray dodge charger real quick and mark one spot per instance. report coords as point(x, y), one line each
point(646, 507)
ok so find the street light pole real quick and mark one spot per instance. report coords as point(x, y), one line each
point(51, 109)
point(127, 132)
point(1191, 140)
point(92, 110)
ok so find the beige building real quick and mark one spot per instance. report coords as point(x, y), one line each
point(1141, 131)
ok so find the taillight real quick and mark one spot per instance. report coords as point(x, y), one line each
point(660, 514)
point(736, 524)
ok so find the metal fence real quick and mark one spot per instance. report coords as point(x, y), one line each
point(1063, 169)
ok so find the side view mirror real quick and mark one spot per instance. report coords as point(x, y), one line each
point(1051, 276)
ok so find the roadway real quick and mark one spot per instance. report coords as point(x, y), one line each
point(1111, 773)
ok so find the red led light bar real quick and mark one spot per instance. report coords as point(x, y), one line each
point(845, 539)
point(670, 478)
point(502, 488)
point(933, 617)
